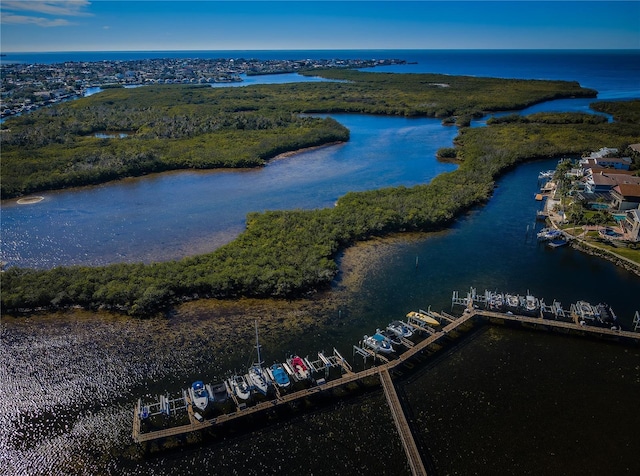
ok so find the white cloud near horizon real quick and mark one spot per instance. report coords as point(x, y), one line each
point(49, 7)
point(19, 12)
point(9, 18)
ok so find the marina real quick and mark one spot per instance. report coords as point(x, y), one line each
point(580, 319)
point(72, 385)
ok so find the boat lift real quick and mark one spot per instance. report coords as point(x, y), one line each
point(164, 406)
point(473, 298)
point(326, 363)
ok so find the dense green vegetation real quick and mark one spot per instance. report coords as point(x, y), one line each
point(287, 253)
point(622, 111)
point(177, 127)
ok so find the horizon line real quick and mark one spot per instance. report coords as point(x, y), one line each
point(5, 53)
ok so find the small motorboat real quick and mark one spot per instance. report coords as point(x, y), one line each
point(421, 316)
point(199, 395)
point(240, 387)
point(279, 375)
point(218, 392)
point(495, 302)
point(300, 370)
point(512, 301)
point(378, 343)
point(531, 305)
point(400, 329)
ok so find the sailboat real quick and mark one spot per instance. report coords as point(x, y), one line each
point(256, 375)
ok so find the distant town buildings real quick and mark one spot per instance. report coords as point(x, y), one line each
point(24, 87)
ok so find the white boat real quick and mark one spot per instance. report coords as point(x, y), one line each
point(495, 302)
point(378, 343)
point(512, 301)
point(585, 310)
point(257, 376)
point(550, 234)
point(299, 369)
point(531, 305)
point(257, 379)
point(400, 329)
point(199, 395)
point(239, 386)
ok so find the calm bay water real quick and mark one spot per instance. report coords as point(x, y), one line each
point(186, 213)
point(172, 215)
point(503, 402)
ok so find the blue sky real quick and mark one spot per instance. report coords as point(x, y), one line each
point(112, 25)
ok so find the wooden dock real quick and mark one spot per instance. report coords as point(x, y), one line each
point(383, 371)
point(399, 418)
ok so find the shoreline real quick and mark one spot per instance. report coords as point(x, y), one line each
point(291, 153)
point(29, 200)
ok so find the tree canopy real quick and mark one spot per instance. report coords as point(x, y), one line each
point(288, 253)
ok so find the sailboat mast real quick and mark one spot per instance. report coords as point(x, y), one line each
point(258, 344)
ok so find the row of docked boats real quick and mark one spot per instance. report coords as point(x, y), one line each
point(527, 305)
point(396, 333)
point(582, 312)
point(261, 380)
point(258, 379)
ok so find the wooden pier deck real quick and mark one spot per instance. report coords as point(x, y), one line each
point(383, 371)
point(399, 418)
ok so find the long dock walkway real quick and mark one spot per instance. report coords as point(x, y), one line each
point(409, 444)
point(383, 371)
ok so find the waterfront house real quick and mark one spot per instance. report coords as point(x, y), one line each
point(599, 186)
point(604, 182)
point(606, 158)
point(631, 225)
point(616, 163)
point(626, 196)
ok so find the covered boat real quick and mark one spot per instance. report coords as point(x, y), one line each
point(299, 369)
point(378, 343)
point(279, 375)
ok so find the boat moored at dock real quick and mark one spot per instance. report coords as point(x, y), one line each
point(278, 374)
point(378, 343)
point(256, 376)
point(495, 301)
point(199, 395)
point(240, 387)
point(423, 317)
point(400, 329)
point(530, 305)
point(299, 368)
point(218, 392)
